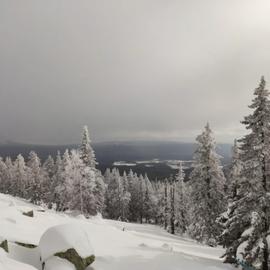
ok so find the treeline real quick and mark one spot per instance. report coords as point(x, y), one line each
point(70, 181)
point(234, 212)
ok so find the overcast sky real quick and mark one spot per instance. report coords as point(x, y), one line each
point(129, 69)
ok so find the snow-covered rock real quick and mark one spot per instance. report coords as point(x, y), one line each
point(3, 244)
point(67, 241)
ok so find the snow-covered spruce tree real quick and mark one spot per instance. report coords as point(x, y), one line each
point(49, 170)
point(246, 235)
point(159, 191)
point(206, 190)
point(99, 192)
point(53, 198)
point(107, 176)
point(231, 229)
point(181, 201)
point(82, 183)
point(117, 195)
point(10, 175)
point(150, 201)
point(3, 177)
point(171, 205)
point(49, 166)
point(20, 177)
point(125, 198)
point(87, 153)
point(63, 182)
point(165, 204)
point(135, 203)
point(142, 189)
point(36, 178)
point(235, 176)
point(114, 194)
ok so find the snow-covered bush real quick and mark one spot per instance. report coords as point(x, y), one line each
point(69, 242)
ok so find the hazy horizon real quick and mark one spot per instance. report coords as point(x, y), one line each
point(123, 141)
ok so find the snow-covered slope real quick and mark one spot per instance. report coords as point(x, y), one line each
point(117, 245)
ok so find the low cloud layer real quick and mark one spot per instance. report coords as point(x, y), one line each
point(129, 69)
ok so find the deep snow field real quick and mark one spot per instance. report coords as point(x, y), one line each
point(117, 245)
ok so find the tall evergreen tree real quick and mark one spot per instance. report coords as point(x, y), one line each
point(141, 194)
point(150, 201)
point(87, 153)
point(10, 175)
point(166, 204)
point(125, 198)
point(98, 192)
point(3, 177)
point(206, 190)
point(247, 228)
point(35, 192)
point(56, 180)
point(172, 204)
point(181, 201)
point(49, 171)
point(114, 195)
point(49, 166)
point(64, 183)
point(82, 183)
point(21, 177)
point(135, 200)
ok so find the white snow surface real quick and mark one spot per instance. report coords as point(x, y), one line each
point(56, 263)
point(8, 264)
point(117, 245)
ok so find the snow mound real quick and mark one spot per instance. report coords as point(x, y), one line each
point(167, 247)
point(12, 203)
point(60, 238)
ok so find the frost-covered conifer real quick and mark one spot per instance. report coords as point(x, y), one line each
point(3, 177)
point(64, 182)
point(166, 204)
point(10, 175)
point(246, 234)
point(114, 195)
point(206, 190)
point(125, 198)
point(150, 201)
point(226, 219)
point(135, 199)
point(49, 171)
point(81, 185)
point(99, 192)
point(94, 176)
point(171, 205)
point(87, 153)
point(36, 178)
point(49, 166)
point(142, 188)
point(20, 182)
point(181, 210)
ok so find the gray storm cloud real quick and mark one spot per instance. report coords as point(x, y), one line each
point(155, 69)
